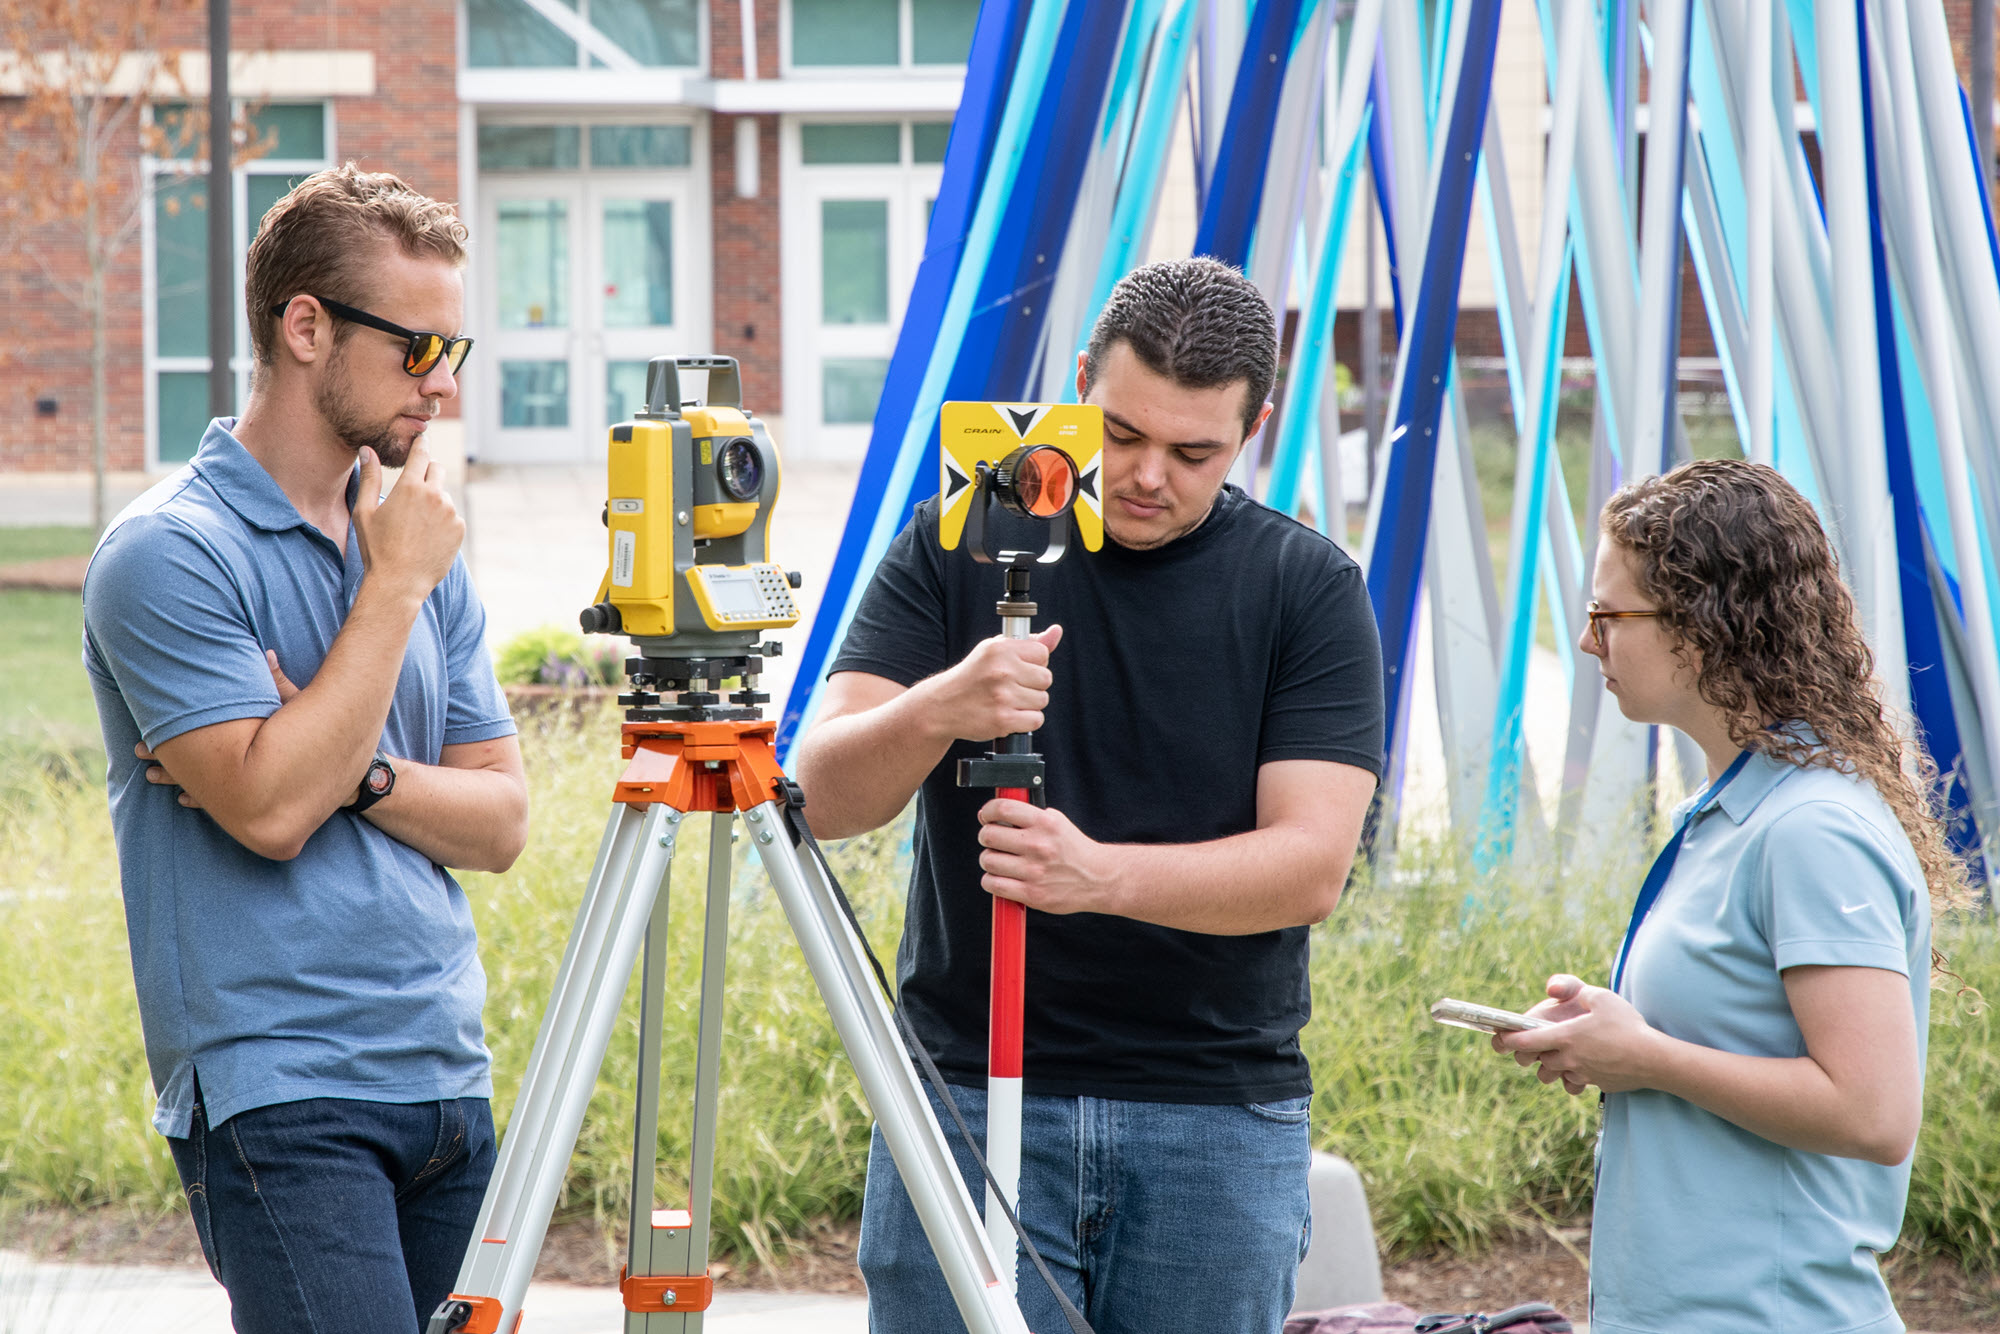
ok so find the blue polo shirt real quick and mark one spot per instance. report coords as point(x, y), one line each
point(350, 971)
point(1698, 1223)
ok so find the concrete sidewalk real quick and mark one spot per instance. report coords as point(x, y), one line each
point(40, 1298)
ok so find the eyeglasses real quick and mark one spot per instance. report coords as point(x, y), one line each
point(1598, 616)
point(424, 350)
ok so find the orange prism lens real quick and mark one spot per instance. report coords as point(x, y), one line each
point(1045, 482)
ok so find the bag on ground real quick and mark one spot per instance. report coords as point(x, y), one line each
point(1395, 1318)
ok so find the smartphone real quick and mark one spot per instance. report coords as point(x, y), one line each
point(1482, 1018)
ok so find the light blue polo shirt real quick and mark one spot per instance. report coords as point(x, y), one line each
point(350, 971)
point(1698, 1223)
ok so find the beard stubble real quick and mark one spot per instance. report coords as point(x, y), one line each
point(335, 404)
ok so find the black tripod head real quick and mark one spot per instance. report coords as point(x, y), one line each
point(686, 686)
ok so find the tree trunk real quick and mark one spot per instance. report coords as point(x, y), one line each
point(99, 404)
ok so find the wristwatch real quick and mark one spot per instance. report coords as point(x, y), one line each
point(377, 783)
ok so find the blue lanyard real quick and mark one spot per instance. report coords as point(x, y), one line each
point(1663, 866)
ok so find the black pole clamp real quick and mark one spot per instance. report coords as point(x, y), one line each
point(998, 771)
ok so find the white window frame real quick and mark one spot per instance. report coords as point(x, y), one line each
point(151, 170)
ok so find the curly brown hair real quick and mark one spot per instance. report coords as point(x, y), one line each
point(1745, 580)
point(323, 238)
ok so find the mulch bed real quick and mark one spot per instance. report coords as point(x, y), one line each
point(57, 574)
point(1931, 1294)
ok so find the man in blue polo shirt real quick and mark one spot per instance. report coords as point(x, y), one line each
point(307, 972)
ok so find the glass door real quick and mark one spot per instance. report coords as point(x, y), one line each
point(858, 203)
point(642, 298)
point(861, 257)
point(532, 375)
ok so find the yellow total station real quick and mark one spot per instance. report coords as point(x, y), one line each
point(689, 494)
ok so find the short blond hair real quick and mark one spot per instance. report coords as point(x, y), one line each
point(318, 241)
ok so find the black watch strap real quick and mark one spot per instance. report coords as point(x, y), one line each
point(377, 783)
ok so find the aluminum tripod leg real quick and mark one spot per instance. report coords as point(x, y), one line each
point(675, 1241)
point(867, 1029)
point(632, 865)
point(623, 906)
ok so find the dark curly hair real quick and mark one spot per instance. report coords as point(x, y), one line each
point(1744, 578)
point(1198, 322)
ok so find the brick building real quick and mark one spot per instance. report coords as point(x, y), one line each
point(640, 177)
point(752, 177)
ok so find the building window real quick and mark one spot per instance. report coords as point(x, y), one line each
point(641, 146)
point(529, 147)
point(854, 261)
point(624, 390)
point(850, 145)
point(292, 140)
point(927, 141)
point(509, 34)
point(850, 387)
point(880, 33)
point(873, 143)
point(941, 31)
point(534, 393)
point(638, 273)
point(532, 245)
point(560, 147)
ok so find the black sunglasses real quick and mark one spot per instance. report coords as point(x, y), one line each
point(424, 349)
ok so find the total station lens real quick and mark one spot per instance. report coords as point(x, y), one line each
point(1044, 482)
point(740, 470)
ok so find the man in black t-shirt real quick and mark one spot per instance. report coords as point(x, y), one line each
point(1212, 722)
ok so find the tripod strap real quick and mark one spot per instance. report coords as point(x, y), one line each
point(802, 835)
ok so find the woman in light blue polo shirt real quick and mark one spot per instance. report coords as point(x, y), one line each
point(1761, 1046)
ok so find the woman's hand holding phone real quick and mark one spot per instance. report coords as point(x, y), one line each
point(1594, 1037)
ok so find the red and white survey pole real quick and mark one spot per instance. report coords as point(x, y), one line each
point(1040, 483)
point(1003, 1069)
point(1015, 772)
point(1009, 991)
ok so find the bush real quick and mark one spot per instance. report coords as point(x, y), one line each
point(553, 656)
point(1456, 1145)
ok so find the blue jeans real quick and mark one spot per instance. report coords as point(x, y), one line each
point(333, 1215)
point(1154, 1217)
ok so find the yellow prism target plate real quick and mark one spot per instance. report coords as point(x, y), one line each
point(970, 434)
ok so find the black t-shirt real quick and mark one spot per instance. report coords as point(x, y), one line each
point(1181, 670)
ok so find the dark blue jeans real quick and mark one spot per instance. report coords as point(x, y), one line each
point(1156, 1218)
point(333, 1215)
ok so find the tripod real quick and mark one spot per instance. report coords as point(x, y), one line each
point(686, 758)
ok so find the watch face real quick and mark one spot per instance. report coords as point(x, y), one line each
point(380, 776)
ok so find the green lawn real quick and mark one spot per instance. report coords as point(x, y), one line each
point(1456, 1146)
point(45, 703)
point(19, 544)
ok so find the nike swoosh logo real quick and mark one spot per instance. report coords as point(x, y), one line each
point(1856, 908)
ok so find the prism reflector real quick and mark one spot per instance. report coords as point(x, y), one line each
point(1038, 482)
point(974, 433)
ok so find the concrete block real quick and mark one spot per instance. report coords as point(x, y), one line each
point(1341, 1267)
